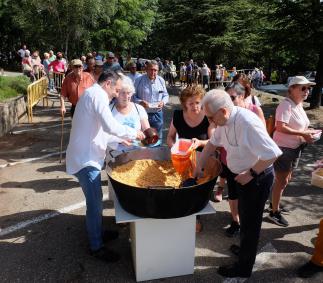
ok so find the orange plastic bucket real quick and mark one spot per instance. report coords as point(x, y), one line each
point(181, 155)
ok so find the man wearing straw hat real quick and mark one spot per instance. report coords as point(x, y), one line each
point(74, 85)
point(250, 155)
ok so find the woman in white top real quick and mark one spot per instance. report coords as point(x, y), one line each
point(127, 113)
point(291, 134)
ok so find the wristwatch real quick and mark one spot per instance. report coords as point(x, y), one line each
point(253, 173)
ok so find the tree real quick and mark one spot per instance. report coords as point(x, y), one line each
point(129, 26)
point(216, 31)
point(61, 24)
point(297, 33)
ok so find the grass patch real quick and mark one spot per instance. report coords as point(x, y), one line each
point(13, 86)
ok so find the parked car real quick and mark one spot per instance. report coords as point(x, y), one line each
point(279, 89)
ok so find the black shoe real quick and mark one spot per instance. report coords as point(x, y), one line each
point(278, 219)
point(235, 249)
point(233, 271)
point(282, 209)
point(106, 255)
point(233, 230)
point(308, 270)
point(110, 235)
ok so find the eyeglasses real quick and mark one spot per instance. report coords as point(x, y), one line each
point(305, 88)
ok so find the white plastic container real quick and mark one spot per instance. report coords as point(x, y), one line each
point(317, 178)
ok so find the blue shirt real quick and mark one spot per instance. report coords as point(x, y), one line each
point(112, 67)
point(133, 77)
point(150, 91)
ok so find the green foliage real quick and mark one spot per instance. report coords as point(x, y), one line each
point(6, 93)
point(246, 33)
point(75, 26)
point(129, 26)
point(13, 86)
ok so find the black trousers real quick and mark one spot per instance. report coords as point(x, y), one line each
point(72, 110)
point(252, 199)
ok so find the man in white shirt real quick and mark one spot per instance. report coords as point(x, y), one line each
point(86, 152)
point(250, 155)
point(22, 52)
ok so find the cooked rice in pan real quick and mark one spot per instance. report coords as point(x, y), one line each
point(147, 173)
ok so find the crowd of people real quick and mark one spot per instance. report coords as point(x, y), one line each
point(113, 109)
point(187, 73)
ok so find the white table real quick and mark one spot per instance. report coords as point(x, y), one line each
point(161, 247)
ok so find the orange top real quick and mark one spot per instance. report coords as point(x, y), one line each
point(73, 88)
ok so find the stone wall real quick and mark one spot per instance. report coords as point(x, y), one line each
point(10, 112)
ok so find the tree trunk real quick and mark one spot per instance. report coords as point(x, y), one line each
point(66, 45)
point(317, 90)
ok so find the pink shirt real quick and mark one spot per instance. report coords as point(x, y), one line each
point(58, 66)
point(295, 117)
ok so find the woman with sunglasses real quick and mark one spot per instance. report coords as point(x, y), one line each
point(291, 135)
point(237, 93)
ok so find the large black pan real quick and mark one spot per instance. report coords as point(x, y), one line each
point(158, 202)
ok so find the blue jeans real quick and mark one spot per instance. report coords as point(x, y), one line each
point(156, 120)
point(90, 181)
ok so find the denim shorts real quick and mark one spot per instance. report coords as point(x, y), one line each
point(289, 159)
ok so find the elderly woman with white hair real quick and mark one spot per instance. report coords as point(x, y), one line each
point(250, 155)
point(127, 113)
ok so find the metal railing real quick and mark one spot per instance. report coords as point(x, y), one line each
point(35, 92)
point(56, 81)
point(197, 77)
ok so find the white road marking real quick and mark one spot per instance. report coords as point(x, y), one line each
point(40, 128)
point(24, 224)
point(261, 259)
point(22, 161)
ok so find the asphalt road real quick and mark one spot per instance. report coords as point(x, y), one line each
point(42, 236)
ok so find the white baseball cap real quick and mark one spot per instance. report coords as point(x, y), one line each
point(300, 80)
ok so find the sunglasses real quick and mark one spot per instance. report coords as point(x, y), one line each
point(305, 88)
point(233, 98)
point(77, 66)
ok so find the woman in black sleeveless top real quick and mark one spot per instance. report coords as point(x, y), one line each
point(191, 123)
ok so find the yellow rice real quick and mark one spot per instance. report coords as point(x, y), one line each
point(147, 173)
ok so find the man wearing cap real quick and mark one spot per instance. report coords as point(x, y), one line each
point(92, 123)
point(74, 85)
point(250, 155)
point(90, 65)
point(133, 75)
point(110, 64)
point(98, 69)
point(152, 94)
point(291, 135)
